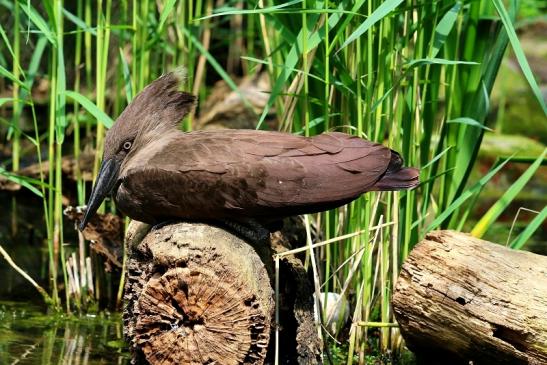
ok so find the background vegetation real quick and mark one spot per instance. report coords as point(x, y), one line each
point(415, 75)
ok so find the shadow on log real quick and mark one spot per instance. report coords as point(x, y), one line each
point(462, 300)
point(196, 294)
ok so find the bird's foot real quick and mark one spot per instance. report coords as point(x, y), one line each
point(249, 230)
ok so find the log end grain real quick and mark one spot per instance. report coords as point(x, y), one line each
point(214, 318)
point(196, 294)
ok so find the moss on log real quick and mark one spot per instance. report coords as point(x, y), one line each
point(463, 300)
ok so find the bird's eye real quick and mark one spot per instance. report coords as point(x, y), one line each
point(127, 145)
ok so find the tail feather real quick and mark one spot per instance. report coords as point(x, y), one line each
point(398, 177)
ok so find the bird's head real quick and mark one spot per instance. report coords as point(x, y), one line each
point(157, 109)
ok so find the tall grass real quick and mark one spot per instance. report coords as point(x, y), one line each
point(410, 74)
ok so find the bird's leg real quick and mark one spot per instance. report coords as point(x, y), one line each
point(274, 226)
point(248, 229)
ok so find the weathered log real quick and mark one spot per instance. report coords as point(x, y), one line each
point(463, 300)
point(196, 294)
point(104, 233)
point(299, 341)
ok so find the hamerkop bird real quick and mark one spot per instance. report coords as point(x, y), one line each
point(156, 173)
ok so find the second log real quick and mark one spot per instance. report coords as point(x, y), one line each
point(462, 300)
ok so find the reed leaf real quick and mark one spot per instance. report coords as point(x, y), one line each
point(7, 74)
point(79, 22)
point(167, 9)
point(90, 107)
point(437, 61)
point(24, 181)
point(519, 242)
point(8, 45)
point(519, 53)
point(444, 27)
point(469, 121)
point(5, 100)
point(505, 200)
point(227, 10)
point(381, 12)
point(462, 198)
point(39, 22)
point(126, 78)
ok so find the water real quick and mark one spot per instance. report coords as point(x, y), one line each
point(29, 335)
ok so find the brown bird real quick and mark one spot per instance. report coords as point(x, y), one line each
point(155, 172)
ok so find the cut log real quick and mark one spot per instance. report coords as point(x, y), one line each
point(196, 294)
point(463, 300)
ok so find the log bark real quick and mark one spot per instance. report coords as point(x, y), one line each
point(463, 300)
point(196, 294)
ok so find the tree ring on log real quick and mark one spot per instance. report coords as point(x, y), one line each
point(216, 320)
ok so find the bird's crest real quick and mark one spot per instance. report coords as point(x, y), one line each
point(159, 103)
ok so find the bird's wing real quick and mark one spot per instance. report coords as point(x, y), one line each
point(250, 170)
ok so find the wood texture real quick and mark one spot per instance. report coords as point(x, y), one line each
point(463, 300)
point(105, 235)
point(196, 294)
point(299, 340)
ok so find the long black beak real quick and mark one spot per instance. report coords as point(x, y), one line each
point(108, 175)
